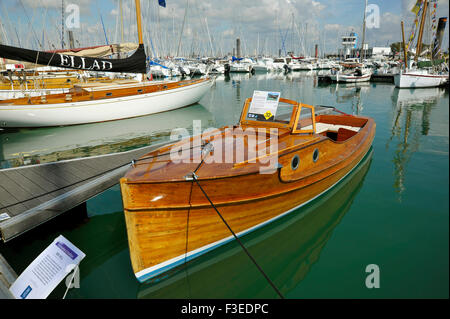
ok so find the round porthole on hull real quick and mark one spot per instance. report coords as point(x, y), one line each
point(295, 162)
point(316, 155)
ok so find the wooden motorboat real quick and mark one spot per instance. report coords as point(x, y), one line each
point(298, 157)
point(295, 243)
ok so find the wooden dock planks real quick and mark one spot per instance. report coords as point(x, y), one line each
point(32, 195)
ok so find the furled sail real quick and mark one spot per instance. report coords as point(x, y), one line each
point(133, 64)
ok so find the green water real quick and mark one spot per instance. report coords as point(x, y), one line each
point(391, 211)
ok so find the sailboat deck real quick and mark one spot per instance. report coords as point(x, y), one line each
point(101, 90)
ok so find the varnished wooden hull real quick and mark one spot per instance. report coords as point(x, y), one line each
point(184, 225)
point(101, 105)
point(295, 243)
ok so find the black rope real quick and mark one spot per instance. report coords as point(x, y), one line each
point(187, 238)
point(194, 177)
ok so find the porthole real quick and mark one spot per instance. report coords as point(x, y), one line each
point(109, 94)
point(295, 162)
point(316, 155)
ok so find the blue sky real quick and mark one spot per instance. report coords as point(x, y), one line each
point(210, 25)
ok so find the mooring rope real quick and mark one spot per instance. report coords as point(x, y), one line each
point(194, 177)
point(187, 239)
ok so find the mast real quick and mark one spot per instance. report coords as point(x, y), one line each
point(364, 34)
point(422, 23)
point(209, 36)
point(121, 22)
point(182, 27)
point(404, 47)
point(139, 21)
point(139, 27)
point(62, 24)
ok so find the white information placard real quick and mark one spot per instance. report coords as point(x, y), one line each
point(264, 105)
point(39, 279)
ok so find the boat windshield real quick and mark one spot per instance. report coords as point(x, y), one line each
point(305, 121)
point(269, 110)
point(282, 114)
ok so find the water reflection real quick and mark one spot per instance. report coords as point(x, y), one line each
point(41, 145)
point(294, 243)
point(411, 110)
point(350, 92)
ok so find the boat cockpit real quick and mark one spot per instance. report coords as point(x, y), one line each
point(268, 110)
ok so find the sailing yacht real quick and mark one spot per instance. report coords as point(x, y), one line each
point(98, 101)
point(428, 73)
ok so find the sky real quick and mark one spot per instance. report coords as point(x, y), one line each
point(210, 27)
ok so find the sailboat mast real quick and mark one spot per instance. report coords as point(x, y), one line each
point(182, 27)
point(364, 33)
point(139, 21)
point(139, 27)
point(121, 22)
point(422, 23)
point(404, 47)
point(62, 24)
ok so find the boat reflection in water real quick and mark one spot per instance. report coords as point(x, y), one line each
point(351, 92)
point(285, 249)
point(411, 120)
point(41, 145)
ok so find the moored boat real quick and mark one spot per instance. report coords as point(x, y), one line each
point(353, 76)
point(419, 79)
point(97, 102)
point(92, 103)
point(297, 156)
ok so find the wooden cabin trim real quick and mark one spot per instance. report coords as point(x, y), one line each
point(254, 169)
point(347, 162)
point(244, 121)
point(321, 139)
point(297, 119)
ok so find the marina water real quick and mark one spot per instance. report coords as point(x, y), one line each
point(392, 211)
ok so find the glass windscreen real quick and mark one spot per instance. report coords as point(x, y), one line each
point(305, 122)
point(282, 114)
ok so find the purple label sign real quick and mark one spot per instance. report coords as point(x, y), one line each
point(69, 252)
